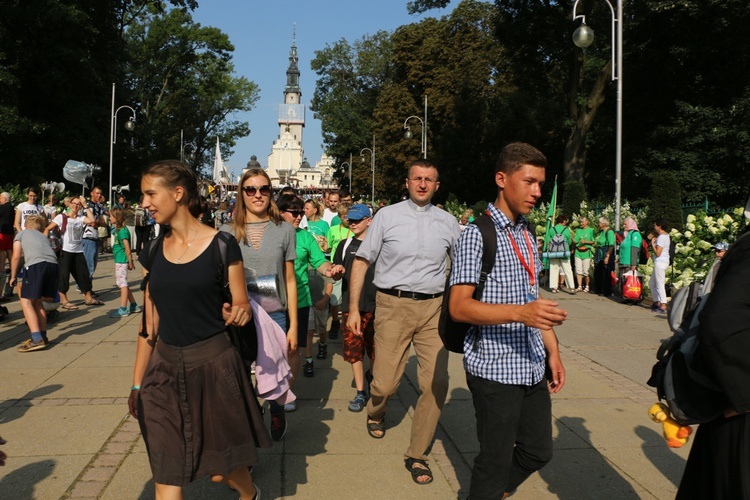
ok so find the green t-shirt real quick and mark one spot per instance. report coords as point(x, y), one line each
point(308, 254)
point(604, 240)
point(630, 247)
point(335, 235)
point(584, 234)
point(335, 221)
point(118, 249)
point(318, 228)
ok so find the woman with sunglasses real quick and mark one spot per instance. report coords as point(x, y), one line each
point(309, 255)
point(268, 248)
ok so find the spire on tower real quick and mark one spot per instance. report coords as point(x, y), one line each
point(292, 73)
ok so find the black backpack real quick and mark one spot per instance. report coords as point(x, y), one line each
point(681, 377)
point(453, 333)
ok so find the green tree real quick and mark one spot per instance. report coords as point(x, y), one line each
point(574, 192)
point(180, 74)
point(666, 200)
point(350, 80)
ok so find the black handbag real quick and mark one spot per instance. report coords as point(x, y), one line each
point(244, 338)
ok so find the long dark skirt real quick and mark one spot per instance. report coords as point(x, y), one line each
point(719, 463)
point(198, 412)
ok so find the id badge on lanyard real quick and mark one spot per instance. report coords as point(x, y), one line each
point(529, 267)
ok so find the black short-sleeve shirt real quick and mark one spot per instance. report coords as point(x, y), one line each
point(189, 296)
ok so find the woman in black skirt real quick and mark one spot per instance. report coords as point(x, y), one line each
point(196, 407)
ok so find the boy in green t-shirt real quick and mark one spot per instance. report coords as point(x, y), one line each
point(123, 263)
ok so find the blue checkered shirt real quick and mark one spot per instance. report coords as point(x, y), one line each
point(512, 353)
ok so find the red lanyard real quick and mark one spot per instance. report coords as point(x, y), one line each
point(530, 269)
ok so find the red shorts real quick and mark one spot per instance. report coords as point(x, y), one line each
point(6, 241)
point(354, 347)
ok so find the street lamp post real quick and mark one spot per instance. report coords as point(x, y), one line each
point(129, 125)
point(583, 37)
point(409, 135)
point(349, 164)
point(372, 165)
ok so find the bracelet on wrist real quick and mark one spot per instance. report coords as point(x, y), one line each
point(135, 388)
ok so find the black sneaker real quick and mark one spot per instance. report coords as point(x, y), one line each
point(278, 426)
point(308, 369)
point(322, 351)
point(333, 333)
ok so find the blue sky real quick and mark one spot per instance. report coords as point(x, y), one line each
point(261, 32)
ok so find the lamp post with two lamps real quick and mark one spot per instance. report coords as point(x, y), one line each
point(372, 165)
point(584, 37)
point(408, 134)
point(129, 126)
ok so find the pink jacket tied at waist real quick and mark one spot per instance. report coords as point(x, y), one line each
point(272, 371)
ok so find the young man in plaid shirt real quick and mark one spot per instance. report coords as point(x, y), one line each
point(513, 344)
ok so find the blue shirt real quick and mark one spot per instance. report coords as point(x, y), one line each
point(512, 353)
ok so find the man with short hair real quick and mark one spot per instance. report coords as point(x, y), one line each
point(507, 354)
point(330, 211)
point(91, 232)
point(408, 243)
point(345, 197)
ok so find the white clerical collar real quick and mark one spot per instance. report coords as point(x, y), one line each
point(417, 207)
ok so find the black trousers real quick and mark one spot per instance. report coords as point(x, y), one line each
point(603, 278)
point(142, 235)
point(75, 264)
point(514, 428)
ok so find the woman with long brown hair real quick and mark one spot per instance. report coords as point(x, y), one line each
point(268, 249)
point(195, 405)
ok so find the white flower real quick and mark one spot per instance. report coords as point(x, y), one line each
point(704, 245)
point(689, 234)
point(709, 221)
point(690, 227)
point(713, 229)
point(691, 218)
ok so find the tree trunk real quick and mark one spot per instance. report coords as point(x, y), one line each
point(574, 158)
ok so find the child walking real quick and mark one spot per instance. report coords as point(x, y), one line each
point(123, 263)
point(355, 346)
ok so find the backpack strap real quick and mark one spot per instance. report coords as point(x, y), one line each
point(150, 247)
point(489, 249)
point(220, 259)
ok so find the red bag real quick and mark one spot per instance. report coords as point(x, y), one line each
point(613, 278)
point(632, 288)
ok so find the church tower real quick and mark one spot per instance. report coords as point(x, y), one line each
point(287, 153)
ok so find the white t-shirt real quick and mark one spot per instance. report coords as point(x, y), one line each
point(73, 233)
point(328, 215)
point(664, 242)
point(27, 209)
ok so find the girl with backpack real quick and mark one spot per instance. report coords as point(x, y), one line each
point(560, 243)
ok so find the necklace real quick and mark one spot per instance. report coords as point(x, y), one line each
point(179, 259)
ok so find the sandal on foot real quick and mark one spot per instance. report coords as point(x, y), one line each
point(374, 427)
point(417, 472)
point(95, 302)
point(69, 306)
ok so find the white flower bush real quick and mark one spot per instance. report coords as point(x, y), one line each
point(693, 247)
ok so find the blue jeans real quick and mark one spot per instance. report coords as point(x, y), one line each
point(91, 252)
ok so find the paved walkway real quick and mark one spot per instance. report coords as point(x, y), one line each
point(64, 413)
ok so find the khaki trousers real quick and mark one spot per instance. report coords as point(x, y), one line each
point(400, 322)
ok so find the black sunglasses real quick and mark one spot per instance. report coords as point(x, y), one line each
point(355, 221)
point(251, 190)
point(295, 213)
